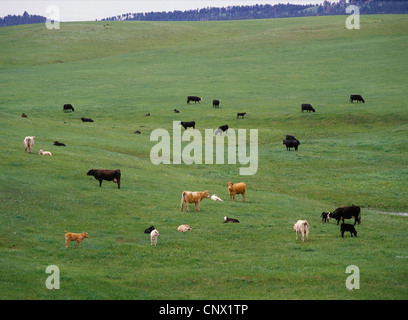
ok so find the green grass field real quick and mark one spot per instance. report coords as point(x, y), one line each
point(116, 73)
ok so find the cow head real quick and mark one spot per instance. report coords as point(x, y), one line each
point(90, 172)
point(206, 194)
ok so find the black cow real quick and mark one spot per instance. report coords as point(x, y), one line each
point(216, 103)
point(149, 230)
point(241, 114)
point(221, 129)
point(194, 98)
point(291, 144)
point(176, 111)
point(289, 137)
point(342, 213)
point(68, 106)
point(347, 227)
point(188, 124)
point(86, 119)
point(56, 143)
point(356, 97)
point(108, 175)
point(307, 107)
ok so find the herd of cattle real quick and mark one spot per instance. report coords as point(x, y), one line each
point(301, 226)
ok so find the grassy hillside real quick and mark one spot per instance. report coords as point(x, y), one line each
point(116, 73)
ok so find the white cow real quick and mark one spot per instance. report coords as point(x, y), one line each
point(301, 226)
point(28, 143)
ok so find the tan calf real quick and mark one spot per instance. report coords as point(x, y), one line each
point(190, 197)
point(236, 188)
point(78, 237)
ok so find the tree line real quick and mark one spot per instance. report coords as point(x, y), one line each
point(26, 18)
point(268, 11)
point(265, 11)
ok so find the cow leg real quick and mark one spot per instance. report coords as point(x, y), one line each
point(187, 209)
point(198, 205)
point(66, 243)
point(79, 243)
point(118, 184)
point(243, 197)
point(100, 182)
point(182, 203)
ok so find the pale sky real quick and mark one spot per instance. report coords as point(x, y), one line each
point(90, 10)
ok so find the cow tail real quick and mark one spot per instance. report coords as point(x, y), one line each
point(183, 197)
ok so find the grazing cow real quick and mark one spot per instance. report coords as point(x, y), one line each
point(68, 106)
point(56, 143)
point(236, 188)
point(216, 103)
point(356, 97)
point(221, 129)
point(24, 115)
point(86, 119)
point(347, 227)
point(194, 98)
point(28, 143)
point(109, 175)
point(147, 114)
point(183, 228)
point(188, 124)
point(291, 144)
point(290, 137)
point(149, 230)
point(307, 107)
point(137, 132)
point(45, 153)
point(226, 220)
point(214, 197)
point(301, 226)
point(241, 114)
point(176, 111)
point(342, 213)
point(190, 197)
point(153, 237)
point(78, 237)
point(325, 217)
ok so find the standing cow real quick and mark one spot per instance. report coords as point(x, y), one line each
point(356, 97)
point(342, 213)
point(28, 143)
point(194, 98)
point(67, 107)
point(236, 188)
point(193, 196)
point(108, 175)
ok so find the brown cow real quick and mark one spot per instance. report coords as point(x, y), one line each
point(196, 197)
point(236, 188)
point(109, 175)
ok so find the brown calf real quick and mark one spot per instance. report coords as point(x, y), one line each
point(196, 197)
point(78, 237)
point(236, 188)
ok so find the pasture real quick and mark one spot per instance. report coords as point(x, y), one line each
point(350, 153)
